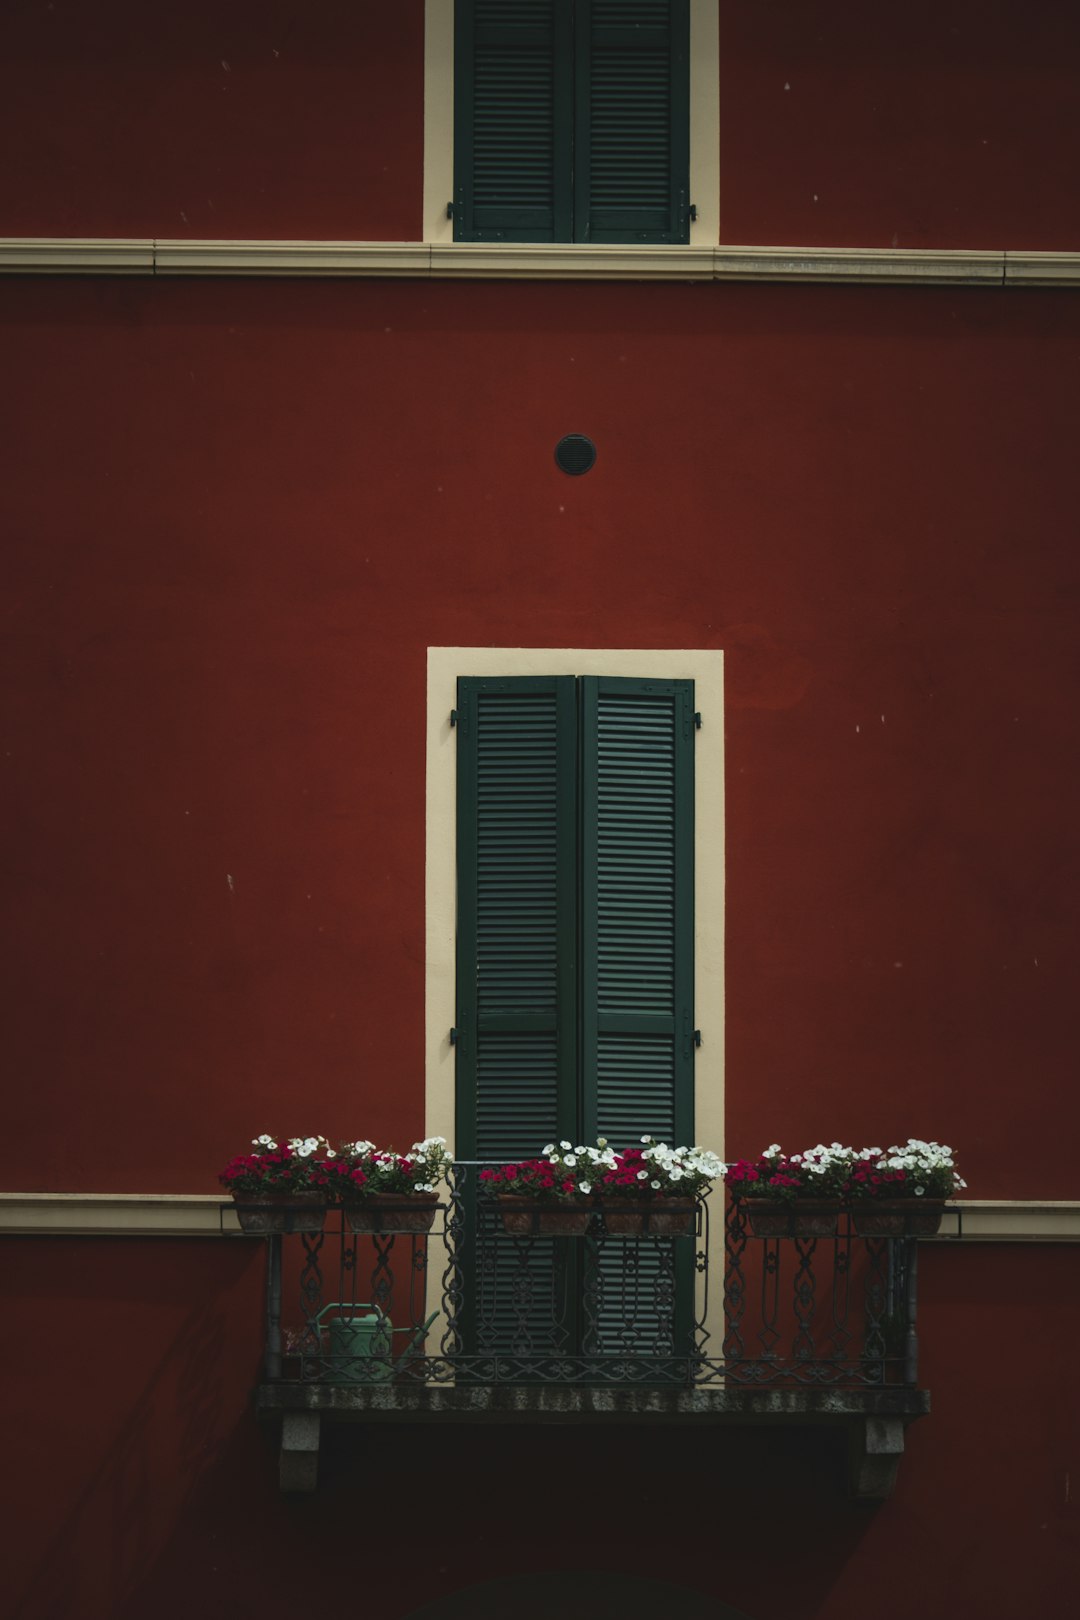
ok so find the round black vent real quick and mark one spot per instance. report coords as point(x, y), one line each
point(575, 454)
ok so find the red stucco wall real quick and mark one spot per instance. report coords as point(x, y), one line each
point(237, 515)
point(916, 123)
point(299, 119)
point(158, 1495)
point(912, 123)
point(234, 516)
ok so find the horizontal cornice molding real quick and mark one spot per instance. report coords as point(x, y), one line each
point(43, 1214)
point(534, 262)
point(1013, 1221)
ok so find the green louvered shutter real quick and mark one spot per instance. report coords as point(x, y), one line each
point(637, 975)
point(632, 121)
point(517, 910)
point(637, 927)
point(516, 990)
point(513, 119)
point(574, 982)
point(572, 121)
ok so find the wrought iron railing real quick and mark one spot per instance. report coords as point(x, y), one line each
point(471, 1304)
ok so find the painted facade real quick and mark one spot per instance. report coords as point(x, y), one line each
point(238, 512)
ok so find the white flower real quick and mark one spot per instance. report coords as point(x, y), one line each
point(655, 1185)
point(566, 1145)
point(643, 1175)
point(919, 1191)
point(303, 1146)
point(601, 1141)
point(266, 1142)
point(570, 1161)
point(586, 1186)
point(549, 1150)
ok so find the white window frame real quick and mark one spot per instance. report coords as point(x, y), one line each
point(705, 667)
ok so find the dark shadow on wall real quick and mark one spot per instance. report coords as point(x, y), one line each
point(106, 1540)
point(408, 1519)
point(582, 1595)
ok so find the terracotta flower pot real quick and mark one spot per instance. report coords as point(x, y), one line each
point(897, 1217)
point(804, 1217)
point(523, 1216)
point(393, 1212)
point(656, 1217)
point(266, 1213)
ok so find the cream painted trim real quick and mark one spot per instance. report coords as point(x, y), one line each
point(1042, 269)
point(116, 1215)
point(203, 1215)
point(78, 255)
point(534, 262)
point(912, 266)
point(544, 261)
point(1015, 1221)
point(292, 258)
point(438, 119)
point(704, 120)
point(706, 669)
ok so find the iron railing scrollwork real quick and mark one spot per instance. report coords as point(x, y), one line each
point(471, 1304)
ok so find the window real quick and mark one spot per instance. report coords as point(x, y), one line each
point(572, 121)
point(575, 902)
point(521, 1101)
point(445, 757)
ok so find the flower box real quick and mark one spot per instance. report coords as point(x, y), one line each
point(264, 1214)
point(393, 1212)
point(524, 1217)
point(801, 1217)
point(897, 1217)
point(655, 1217)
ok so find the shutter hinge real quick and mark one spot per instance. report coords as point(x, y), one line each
point(697, 719)
point(449, 210)
point(453, 1037)
point(693, 212)
point(697, 1037)
point(453, 717)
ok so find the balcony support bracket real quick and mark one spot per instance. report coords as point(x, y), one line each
point(875, 1446)
point(298, 1467)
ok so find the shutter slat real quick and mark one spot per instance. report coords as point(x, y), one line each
point(512, 120)
point(525, 844)
point(632, 108)
point(516, 962)
point(637, 908)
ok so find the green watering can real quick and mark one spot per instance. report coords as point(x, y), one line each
point(360, 1345)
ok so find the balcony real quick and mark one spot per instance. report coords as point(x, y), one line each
point(470, 1322)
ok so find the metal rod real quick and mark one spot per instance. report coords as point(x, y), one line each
point(911, 1350)
point(273, 1307)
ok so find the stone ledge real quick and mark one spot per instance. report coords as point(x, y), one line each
point(874, 1420)
point(175, 1215)
point(531, 1403)
point(92, 1214)
point(526, 261)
